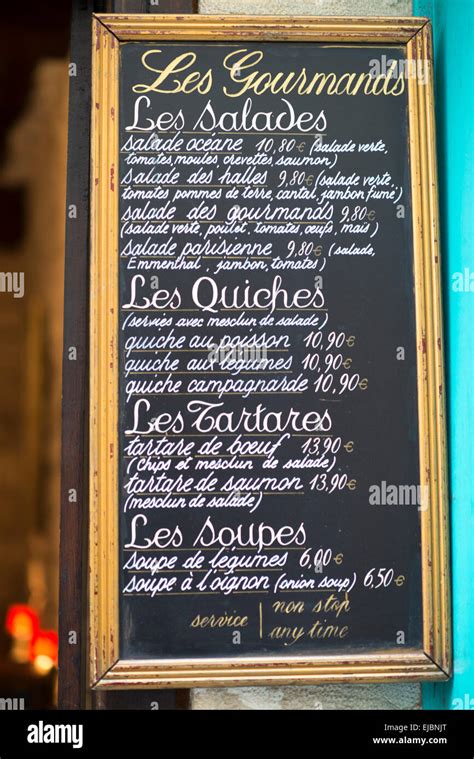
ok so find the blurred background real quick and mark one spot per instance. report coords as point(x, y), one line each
point(33, 140)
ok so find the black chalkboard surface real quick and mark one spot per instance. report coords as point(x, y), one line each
point(270, 501)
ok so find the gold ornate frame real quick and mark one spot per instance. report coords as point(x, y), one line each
point(433, 661)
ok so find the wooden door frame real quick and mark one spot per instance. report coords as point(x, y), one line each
point(73, 692)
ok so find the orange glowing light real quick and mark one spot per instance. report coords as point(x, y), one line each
point(44, 649)
point(22, 622)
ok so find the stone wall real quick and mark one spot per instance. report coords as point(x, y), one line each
point(31, 340)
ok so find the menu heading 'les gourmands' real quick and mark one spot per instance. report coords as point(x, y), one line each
point(247, 75)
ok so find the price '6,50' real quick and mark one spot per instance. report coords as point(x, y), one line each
point(383, 578)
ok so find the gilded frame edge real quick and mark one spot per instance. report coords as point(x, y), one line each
point(107, 671)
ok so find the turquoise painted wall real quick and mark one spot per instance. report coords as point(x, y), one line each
point(453, 28)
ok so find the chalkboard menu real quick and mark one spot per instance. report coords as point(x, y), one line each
point(267, 426)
